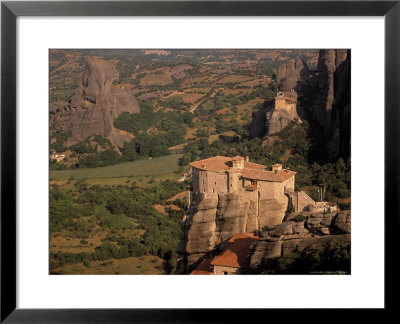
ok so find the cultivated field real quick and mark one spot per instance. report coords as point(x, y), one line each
point(156, 166)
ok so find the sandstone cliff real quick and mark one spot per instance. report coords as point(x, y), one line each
point(291, 72)
point(91, 110)
point(331, 107)
point(268, 120)
point(215, 218)
point(271, 120)
point(276, 120)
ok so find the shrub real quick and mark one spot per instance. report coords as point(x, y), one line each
point(299, 218)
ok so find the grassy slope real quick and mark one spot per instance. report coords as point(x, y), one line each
point(156, 166)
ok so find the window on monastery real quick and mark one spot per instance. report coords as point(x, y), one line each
point(213, 190)
point(253, 182)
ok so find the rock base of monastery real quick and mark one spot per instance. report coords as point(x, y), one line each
point(216, 217)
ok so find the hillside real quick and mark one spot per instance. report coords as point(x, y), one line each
point(126, 124)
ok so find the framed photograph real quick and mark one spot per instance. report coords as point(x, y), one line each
point(206, 149)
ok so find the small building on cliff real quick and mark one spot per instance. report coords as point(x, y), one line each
point(285, 110)
point(286, 100)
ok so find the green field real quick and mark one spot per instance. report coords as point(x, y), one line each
point(156, 166)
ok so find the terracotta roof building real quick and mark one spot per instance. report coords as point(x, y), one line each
point(204, 268)
point(221, 174)
point(223, 163)
point(232, 260)
point(233, 195)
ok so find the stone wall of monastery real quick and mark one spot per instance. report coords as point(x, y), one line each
point(220, 270)
point(289, 184)
point(208, 182)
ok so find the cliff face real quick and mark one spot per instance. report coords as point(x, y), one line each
point(291, 72)
point(324, 99)
point(94, 106)
point(331, 108)
point(216, 218)
point(268, 121)
point(277, 120)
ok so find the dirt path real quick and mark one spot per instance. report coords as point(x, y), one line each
point(122, 132)
point(194, 107)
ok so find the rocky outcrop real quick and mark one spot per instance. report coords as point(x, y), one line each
point(91, 110)
point(303, 232)
point(331, 108)
point(216, 218)
point(269, 121)
point(291, 72)
point(277, 120)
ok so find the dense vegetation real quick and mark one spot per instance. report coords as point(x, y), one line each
point(334, 259)
point(124, 214)
point(135, 123)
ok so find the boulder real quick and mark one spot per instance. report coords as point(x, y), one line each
point(342, 222)
point(282, 229)
point(262, 251)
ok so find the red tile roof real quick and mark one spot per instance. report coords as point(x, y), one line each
point(204, 268)
point(223, 163)
point(235, 255)
point(262, 175)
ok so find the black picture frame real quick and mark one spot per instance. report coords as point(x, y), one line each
point(10, 10)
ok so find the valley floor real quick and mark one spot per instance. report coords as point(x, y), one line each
point(157, 166)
